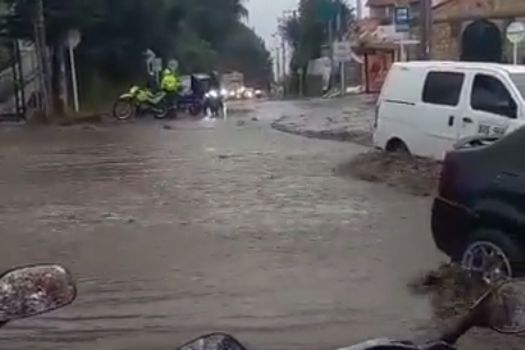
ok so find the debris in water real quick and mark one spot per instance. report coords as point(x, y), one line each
point(451, 291)
point(89, 127)
point(415, 175)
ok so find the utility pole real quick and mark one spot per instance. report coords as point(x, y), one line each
point(277, 64)
point(359, 9)
point(340, 36)
point(283, 52)
point(425, 23)
point(43, 58)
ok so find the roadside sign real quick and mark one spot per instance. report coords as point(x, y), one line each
point(149, 54)
point(516, 32)
point(342, 51)
point(73, 38)
point(402, 19)
point(157, 65)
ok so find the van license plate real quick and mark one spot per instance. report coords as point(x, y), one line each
point(489, 130)
point(484, 129)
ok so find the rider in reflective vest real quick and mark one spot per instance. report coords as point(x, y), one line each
point(170, 83)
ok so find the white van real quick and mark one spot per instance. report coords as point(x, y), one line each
point(426, 107)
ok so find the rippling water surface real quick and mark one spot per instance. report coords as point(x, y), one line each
point(173, 233)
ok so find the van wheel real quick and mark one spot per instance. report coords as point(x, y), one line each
point(493, 255)
point(397, 146)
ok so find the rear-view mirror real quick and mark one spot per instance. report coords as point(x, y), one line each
point(34, 290)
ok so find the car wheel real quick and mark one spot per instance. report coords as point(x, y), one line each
point(397, 146)
point(493, 256)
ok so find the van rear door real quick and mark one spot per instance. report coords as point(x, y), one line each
point(439, 111)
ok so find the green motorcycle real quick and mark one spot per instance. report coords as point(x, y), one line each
point(139, 101)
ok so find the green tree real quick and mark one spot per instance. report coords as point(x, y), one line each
point(244, 51)
point(309, 31)
point(116, 33)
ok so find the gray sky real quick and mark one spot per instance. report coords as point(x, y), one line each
point(264, 14)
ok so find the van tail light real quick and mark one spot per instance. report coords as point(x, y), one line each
point(376, 117)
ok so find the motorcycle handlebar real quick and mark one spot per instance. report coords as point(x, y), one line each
point(478, 315)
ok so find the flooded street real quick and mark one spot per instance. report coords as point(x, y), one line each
point(176, 231)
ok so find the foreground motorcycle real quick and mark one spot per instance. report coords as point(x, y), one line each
point(139, 101)
point(502, 309)
point(33, 290)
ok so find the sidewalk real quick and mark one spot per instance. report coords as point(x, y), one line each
point(348, 119)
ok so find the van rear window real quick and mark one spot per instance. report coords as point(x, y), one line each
point(443, 88)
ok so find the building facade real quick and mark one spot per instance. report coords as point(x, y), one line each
point(383, 10)
point(468, 30)
point(474, 30)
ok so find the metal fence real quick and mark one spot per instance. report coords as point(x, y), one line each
point(18, 80)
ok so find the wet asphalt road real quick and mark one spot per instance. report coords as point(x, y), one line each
point(172, 233)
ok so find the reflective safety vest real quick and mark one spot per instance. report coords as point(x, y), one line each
point(169, 83)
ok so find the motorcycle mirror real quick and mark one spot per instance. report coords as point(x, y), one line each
point(33, 290)
point(507, 308)
point(215, 341)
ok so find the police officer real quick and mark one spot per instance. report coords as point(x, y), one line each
point(170, 83)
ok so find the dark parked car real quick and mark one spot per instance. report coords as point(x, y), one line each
point(478, 218)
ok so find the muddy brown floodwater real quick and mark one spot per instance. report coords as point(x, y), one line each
point(176, 231)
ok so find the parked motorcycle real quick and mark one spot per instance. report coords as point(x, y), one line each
point(139, 101)
point(34, 290)
point(191, 105)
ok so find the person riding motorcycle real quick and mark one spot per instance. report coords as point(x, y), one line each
point(170, 82)
point(215, 81)
point(214, 102)
point(171, 85)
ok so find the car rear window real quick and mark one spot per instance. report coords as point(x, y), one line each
point(443, 88)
